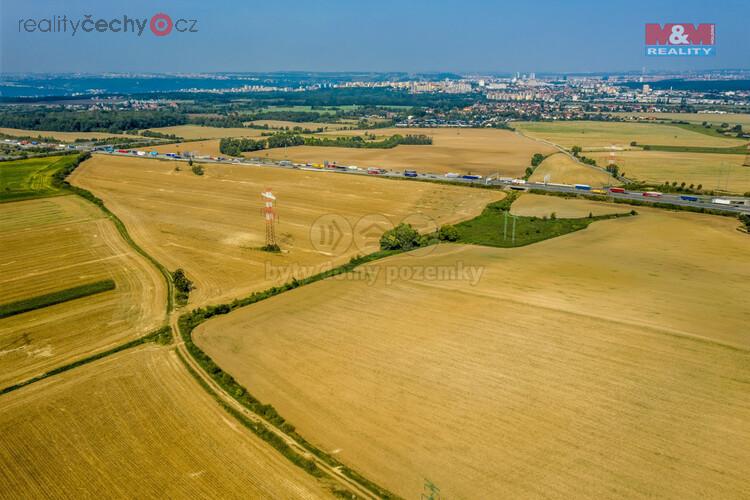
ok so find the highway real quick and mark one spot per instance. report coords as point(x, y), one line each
point(742, 204)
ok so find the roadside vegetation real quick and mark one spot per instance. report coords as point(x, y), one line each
point(189, 321)
point(745, 219)
point(50, 299)
point(735, 150)
point(237, 146)
point(357, 141)
point(639, 203)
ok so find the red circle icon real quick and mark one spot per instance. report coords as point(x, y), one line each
point(161, 24)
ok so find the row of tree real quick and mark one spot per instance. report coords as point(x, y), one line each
point(357, 141)
point(89, 121)
point(237, 146)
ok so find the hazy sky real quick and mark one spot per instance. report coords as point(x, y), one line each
point(386, 35)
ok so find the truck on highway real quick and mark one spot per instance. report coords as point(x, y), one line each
point(472, 177)
point(451, 175)
point(598, 191)
point(685, 197)
point(582, 187)
point(410, 173)
point(652, 194)
point(721, 201)
point(374, 171)
point(617, 190)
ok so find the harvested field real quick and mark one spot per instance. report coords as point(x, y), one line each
point(597, 135)
point(52, 244)
point(60, 136)
point(212, 227)
point(594, 365)
point(537, 205)
point(135, 425)
point(201, 132)
point(562, 169)
point(481, 151)
point(716, 119)
point(199, 148)
point(713, 171)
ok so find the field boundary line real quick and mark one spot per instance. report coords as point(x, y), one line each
point(570, 155)
point(61, 179)
point(162, 335)
point(228, 385)
point(261, 428)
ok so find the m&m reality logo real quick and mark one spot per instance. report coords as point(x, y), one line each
point(681, 39)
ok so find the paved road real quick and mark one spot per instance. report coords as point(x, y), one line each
point(671, 199)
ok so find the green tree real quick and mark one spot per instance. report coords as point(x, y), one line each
point(401, 237)
point(576, 150)
point(448, 233)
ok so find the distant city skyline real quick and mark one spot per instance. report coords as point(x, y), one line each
point(473, 36)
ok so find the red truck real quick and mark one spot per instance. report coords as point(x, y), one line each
point(616, 190)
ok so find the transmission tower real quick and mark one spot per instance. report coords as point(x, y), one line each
point(269, 215)
point(612, 160)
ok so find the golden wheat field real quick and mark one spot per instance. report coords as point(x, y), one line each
point(201, 132)
point(714, 171)
point(608, 363)
point(536, 205)
point(597, 135)
point(282, 124)
point(52, 244)
point(60, 136)
point(135, 425)
point(560, 168)
point(212, 227)
point(479, 151)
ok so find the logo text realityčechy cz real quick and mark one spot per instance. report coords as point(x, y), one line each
point(160, 25)
point(680, 39)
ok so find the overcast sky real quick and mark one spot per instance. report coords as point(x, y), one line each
point(387, 35)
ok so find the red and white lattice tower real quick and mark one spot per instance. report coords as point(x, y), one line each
point(269, 214)
point(612, 159)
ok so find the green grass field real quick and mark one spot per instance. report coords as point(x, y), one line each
point(593, 135)
point(31, 178)
point(494, 227)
